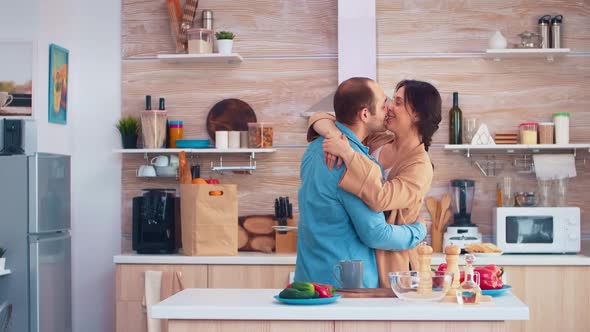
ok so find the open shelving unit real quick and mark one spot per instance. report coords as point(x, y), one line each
point(201, 58)
point(521, 154)
point(468, 149)
point(550, 54)
point(216, 168)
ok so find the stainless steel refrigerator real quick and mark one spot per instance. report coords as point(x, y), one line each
point(35, 230)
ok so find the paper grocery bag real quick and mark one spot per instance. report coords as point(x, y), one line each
point(209, 219)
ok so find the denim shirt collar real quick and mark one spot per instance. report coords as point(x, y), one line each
point(352, 137)
point(355, 141)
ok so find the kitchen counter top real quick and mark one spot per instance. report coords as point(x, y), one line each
point(257, 258)
point(259, 304)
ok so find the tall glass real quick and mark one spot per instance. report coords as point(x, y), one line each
point(470, 129)
point(544, 191)
point(508, 199)
point(561, 191)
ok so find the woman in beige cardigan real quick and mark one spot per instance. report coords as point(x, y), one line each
point(413, 117)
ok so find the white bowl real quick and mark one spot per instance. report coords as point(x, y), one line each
point(166, 171)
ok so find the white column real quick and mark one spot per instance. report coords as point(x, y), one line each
point(357, 39)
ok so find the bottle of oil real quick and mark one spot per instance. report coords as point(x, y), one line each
point(455, 122)
point(469, 291)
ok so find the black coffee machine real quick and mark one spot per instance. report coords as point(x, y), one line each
point(156, 227)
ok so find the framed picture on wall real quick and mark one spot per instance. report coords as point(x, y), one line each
point(16, 78)
point(58, 84)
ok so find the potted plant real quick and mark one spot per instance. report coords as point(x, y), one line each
point(225, 42)
point(2, 259)
point(129, 128)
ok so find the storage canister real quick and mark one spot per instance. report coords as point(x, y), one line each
point(528, 133)
point(562, 127)
point(260, 135)
point(546, 130)
point(200, 41)
point(176, 130)
point(556, 31)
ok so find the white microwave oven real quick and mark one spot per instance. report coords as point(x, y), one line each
point(537, 229)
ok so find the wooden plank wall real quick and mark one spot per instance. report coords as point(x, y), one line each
point(500, 94)
point(290, 66)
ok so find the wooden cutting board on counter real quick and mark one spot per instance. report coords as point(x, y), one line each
point(365, 292)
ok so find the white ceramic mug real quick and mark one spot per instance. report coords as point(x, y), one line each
point(174, 160)
point(234, 140)
point(159, 161)
point(146, 170)
point(5, 99)
point(221, 139)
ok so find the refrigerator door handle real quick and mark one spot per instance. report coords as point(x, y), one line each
point(47, 237)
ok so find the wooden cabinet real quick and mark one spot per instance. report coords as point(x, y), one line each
point(249, 276)
point(556, 295)
point(130, 286)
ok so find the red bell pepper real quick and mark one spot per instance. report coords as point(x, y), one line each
point(212, 181)
point(324, 290)
point(490, 275)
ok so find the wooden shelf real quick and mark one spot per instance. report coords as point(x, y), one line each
point(526, 53)
point(515, 148)
point(132, 151)
point(200, 58)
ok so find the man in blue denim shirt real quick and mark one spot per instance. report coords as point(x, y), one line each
point(334, 224)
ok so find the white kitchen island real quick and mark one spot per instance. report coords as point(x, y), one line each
point(206, 309)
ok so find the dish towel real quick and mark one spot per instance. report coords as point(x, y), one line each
point(153, 285)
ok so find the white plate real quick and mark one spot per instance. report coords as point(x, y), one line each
point(486, 254)
point(284, 228)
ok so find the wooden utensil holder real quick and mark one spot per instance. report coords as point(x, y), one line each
point(286, 243)
point(436, 239)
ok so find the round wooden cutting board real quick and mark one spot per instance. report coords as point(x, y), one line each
point(230, 115)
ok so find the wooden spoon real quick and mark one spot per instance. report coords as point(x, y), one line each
point(445, 220)
point(445, 203)
point(431, 206)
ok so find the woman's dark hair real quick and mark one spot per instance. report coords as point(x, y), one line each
point(425, 100)
point(351, 96)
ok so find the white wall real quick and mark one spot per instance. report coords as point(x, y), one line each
point(55, 24)
point(18, 19)
point(96, 192)
point(90, 30)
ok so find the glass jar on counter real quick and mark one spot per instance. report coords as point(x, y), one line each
point(562, 127)
point(176, 132)
point(260, 135)
point(546, 130)
point(528, 133)
point(200, 41)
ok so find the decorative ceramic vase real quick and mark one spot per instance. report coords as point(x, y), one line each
point(497, 41)
point(224, 46)
point(129, 141)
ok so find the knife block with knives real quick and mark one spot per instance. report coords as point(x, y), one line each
point(285, 241)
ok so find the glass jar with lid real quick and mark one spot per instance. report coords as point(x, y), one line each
point(546, 130)
point(528, 133)
point(562, 127)
point(200, 41)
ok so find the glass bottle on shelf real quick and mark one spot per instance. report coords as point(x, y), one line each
point(455, 122)
point(469, 290)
